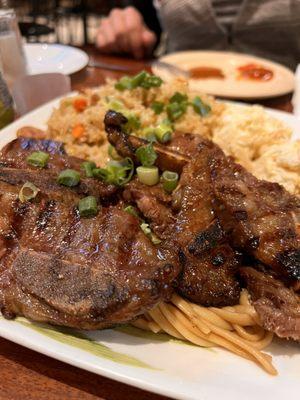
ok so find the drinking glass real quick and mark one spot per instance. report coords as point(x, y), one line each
point(11, 50)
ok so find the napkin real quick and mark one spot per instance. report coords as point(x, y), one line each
point(296, 96)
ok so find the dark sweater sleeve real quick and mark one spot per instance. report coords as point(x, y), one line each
point(148, 11)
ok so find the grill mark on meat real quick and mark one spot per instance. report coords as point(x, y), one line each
point(208, 239)
point(290, 260)
point(268, 228)
point(68, 288)
point(210, 278)
point(11, 237)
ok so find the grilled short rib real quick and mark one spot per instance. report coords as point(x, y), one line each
point(209, 263)
point(277, 306)
point(218, 202)
point(261, 217)
point(60, 268)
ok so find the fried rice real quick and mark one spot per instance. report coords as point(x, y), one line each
point(258, 141)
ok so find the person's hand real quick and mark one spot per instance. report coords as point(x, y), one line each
point(124, 31)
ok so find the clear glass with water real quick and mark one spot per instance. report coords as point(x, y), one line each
point(11, 49)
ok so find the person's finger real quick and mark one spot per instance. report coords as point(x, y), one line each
point(134, 26)
point(117, 18)
point(149, 39)
point(110, 37)
point(101, 43)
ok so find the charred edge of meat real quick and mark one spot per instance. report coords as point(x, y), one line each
point(278, 306)
point(114, 119)
point(290, 260)
point(243, 202)
point(208, 239)
point(113, 122)
point(48, 182)
point(126, 145)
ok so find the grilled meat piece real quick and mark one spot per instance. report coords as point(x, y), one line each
point(154, 204)
point(186, 143)
point(13, 159)
point(126, 145)
point(14, 154)
point(48, 182)
point(261, 217)
point(81, 272)
point(209, 263)
point(277, 306)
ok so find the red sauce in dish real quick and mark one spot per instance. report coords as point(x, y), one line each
point(255, 72)
point(206, 73)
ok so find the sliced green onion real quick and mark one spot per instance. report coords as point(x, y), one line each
point(199, 107)
point(113, 154)
point(146, 155)
point(149, 134)
point(88, 167)
point(38, 159)
point(169, 181)
point(88, 207)
point(176, 110)
point(147, 231)
point(133, 123)
point(157, 107)
point(69, 177)
point(138, 79)
point(154, 239)
point(116, 172)
point(115, 105)
point(178, 98)
point(28, 192)
point(124, 83)
point(148, 175)
point(163, 132)
point(151, 137)
point(151, 81)
point(142, 79)
point(145, 228)
point(102, 174)
point(131, 210)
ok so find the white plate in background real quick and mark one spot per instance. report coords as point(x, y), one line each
point(230, 87)
point(177, 370)
point(44, 58)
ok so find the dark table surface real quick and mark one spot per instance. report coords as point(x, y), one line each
point(26, 374)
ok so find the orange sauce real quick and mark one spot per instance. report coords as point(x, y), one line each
point(255, 72)
point(206, 73)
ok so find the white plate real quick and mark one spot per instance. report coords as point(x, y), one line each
point(230, 87)
point(166, 367)
point(44, 58)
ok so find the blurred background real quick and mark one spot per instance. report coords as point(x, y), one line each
point(72, 22)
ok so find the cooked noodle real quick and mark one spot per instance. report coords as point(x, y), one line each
point(235, 328)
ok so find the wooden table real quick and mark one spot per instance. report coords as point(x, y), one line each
point(27, 375)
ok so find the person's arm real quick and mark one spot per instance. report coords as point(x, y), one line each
point(124, 31)
point(149, 13)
